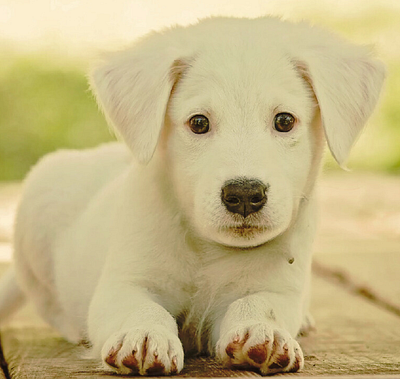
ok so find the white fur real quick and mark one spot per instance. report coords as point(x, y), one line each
point(116, 251)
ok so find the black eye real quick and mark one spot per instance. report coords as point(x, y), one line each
point(199, 124)
point(284, 122)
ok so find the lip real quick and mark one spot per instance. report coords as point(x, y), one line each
point(244, 230)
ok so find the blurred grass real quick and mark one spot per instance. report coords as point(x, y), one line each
point(45, 103)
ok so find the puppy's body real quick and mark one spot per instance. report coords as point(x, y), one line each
point(194, 280)
point(52, 205)
point(129, 255)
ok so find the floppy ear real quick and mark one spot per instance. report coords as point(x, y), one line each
point(133, 88)
point(346, 81)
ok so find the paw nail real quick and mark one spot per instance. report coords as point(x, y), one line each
point(230, 350)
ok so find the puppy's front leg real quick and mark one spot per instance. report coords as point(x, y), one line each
point(133, 333)
point(254, 333)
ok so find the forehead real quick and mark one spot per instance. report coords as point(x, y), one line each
point(238, 74)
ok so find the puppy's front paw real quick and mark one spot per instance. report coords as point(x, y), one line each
point(144, 351)
point(268, 349)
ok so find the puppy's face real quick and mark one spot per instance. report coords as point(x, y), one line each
point(240, 145)
point(239, 104)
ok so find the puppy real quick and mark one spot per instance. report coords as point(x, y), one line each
point(196, 233)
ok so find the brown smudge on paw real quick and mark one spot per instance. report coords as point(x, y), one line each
point(157, 369)
point(275, 366)
point(112, 355)
point(131, 362)
point(296, 367)
point(258, 353)
point(110, 360)
point(297, 363)
point(281, 361)
point(284, 360)
point(231, 349)
point(276, 346)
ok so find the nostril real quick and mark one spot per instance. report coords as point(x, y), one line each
point(232, 200)
point(255, 200)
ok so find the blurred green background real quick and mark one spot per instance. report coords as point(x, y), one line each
point(45, 103)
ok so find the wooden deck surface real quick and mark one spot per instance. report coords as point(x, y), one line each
point(356, 295)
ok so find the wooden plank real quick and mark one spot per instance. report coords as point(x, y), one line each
point(374, 275)
point(364, 208)
point(359, 237)
point(358, 213)
point(354, 337)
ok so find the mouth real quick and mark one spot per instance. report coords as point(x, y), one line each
point(244, 230)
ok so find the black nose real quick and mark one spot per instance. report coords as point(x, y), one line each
point(244, 196)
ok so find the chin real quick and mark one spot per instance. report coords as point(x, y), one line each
point(235, 231)
point(245, 236)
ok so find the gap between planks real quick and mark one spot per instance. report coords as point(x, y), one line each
point(346, 281)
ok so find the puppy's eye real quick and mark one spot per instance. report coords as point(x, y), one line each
point(284, 122)
point(199, 124)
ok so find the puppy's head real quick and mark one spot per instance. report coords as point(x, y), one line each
point(241, 106)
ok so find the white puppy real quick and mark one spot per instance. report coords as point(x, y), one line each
point(198, 234)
